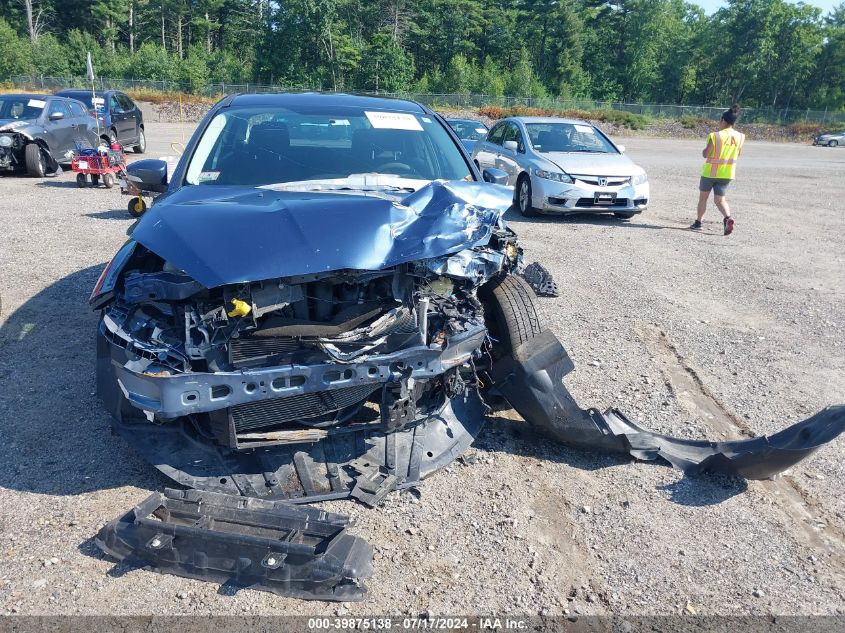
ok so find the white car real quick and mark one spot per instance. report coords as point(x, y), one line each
point(560, 166)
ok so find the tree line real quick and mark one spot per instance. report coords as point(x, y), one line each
point(761, 53)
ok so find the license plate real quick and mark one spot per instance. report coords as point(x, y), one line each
point(82, 164)
point(604, 198)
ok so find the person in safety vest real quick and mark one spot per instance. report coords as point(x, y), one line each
point(723, 150)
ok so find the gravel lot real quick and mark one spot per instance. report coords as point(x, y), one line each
point(690, 333)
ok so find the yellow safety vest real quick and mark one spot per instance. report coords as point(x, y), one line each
point(725, 147)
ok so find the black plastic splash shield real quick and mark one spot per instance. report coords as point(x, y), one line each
point(267, 545)
point(329, 468)
point(532, 381)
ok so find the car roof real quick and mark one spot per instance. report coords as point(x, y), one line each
point(77, 91)
point(547, 119)
point(26, 95)
point(305, 99)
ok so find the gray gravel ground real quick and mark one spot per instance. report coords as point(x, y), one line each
point(692, 333)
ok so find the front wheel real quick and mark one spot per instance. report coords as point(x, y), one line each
point(511, 312)
point(141, 147)
point(833, 144)
point(624, 216)
point(108, 180)
point(36, 166)
point(81, 181)
point(524, 200)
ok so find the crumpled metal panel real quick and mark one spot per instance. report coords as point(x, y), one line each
point(226, 235)
point(532, 381)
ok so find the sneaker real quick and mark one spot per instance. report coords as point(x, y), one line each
point(729, 225)
point(696, 226)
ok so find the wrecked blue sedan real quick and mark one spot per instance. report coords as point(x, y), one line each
point(326, 300)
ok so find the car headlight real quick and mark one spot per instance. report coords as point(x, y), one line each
point(6, 140)
point(638, 180)
point(552, 175)
point(104, 287)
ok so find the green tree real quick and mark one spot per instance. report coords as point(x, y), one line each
point(15, 56)
point(151, 61)
point(49, 58)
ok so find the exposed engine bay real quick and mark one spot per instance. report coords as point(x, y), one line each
point(367, 362)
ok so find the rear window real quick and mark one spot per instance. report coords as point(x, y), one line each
point(272, 145)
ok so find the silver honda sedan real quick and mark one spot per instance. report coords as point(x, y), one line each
point(560, 166)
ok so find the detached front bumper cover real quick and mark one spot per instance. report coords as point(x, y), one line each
point(267, 545)
point(532, 381)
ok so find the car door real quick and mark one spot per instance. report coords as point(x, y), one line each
point(486, 151)
point(60, 129)
point(508, 159)
point(118, 117)
point(85, 127)
point(131, 118)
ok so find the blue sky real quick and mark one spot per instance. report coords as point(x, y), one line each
point(712, 5)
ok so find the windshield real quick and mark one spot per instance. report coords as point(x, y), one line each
point(468, 130)
point(568, 137)
point(22, 107)
point(263, 145)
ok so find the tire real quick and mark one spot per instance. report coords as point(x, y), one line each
point(511, 312)
point(108, 180)
point(136, 207)
point(36, 165)
point(141, 147)
point(112, 137)
point(624, 216)
point(81, 181)
point(833, 144)
point(95, 180)
point(522, 194)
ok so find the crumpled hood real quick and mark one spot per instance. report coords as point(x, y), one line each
point(594, 164)
point(14, 125)
point(226, 235)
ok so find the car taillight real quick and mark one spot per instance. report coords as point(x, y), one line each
point(108, 278)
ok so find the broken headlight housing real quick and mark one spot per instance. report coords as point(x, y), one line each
point(6, 140)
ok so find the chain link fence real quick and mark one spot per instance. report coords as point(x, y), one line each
point(435, 100)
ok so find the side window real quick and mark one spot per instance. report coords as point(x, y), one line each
point(114, 105)
point(497, 133)
point(77, 109)
point(512, 133)
point(58, 106)
point(125, 102)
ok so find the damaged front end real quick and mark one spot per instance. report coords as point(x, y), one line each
point(12, 144)
point(307, 386)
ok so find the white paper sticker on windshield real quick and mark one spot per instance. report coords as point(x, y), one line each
point(481, 130)
point(339, 122)
point(98, 100)
point(394, 121)
point(586, 129)
point(36, 103)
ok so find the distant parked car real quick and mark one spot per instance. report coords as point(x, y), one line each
point(469, 131)
point(121, 120)
point(560, 166)
point(37, 132)
point(831, 139)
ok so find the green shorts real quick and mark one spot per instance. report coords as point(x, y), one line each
point(719, 186)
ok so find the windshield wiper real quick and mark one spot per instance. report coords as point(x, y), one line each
point(361, 188)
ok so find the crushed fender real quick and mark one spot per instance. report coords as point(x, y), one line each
point(532, 381)
point(268, 545)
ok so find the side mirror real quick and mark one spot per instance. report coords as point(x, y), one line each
point(148, 175)
point(57, 116)
point(621, 149)
point(510, 145)
point(496, 176)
